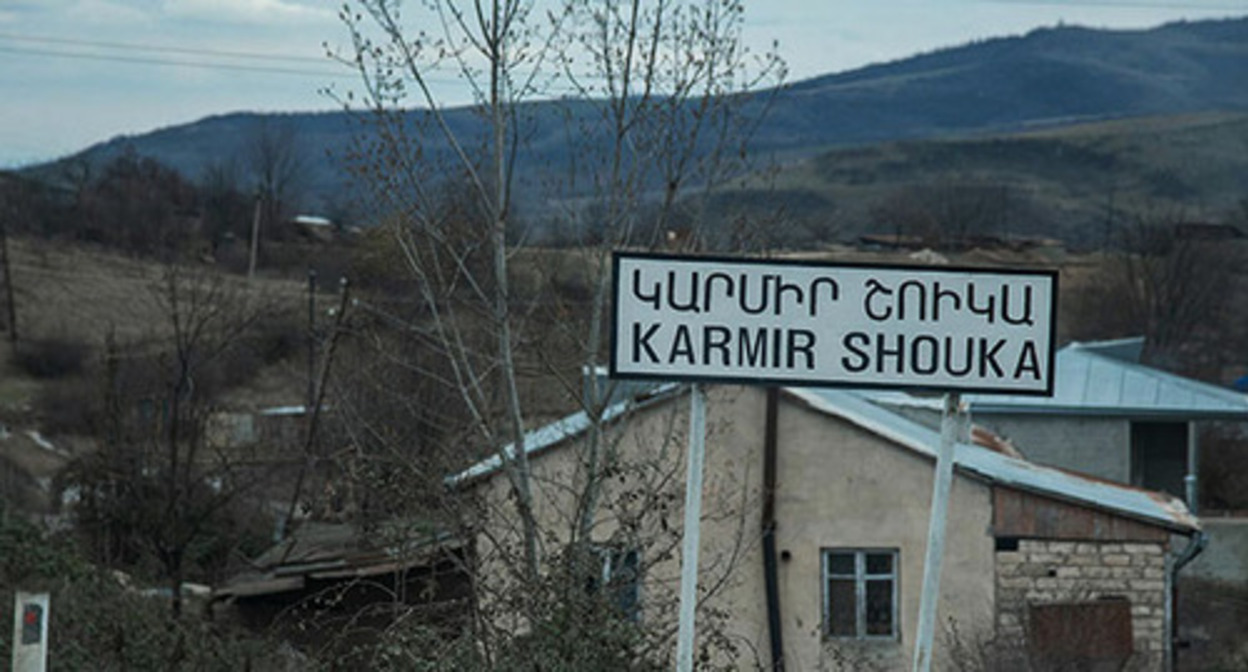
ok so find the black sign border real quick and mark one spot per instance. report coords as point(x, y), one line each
point(614, 372)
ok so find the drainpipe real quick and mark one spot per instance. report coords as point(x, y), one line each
point(1192, 480)
point(770, 571)
point(1195, 545)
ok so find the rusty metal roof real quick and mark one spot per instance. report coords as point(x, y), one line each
point(1002, 468)
point(333, 551)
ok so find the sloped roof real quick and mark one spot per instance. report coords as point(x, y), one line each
point(1104, 378)
point(560, 430)
point(993, 463)
point(998, 467)
point(324, 551)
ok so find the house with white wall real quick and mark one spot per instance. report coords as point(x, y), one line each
point(815, 527)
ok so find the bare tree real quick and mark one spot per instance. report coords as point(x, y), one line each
point(655, 126)
point(1172, 288)
point(947, 214)
point(279, 167)
point(157, 490)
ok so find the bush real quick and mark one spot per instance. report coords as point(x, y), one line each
point(51, 358)
point(1224, 469)
point(69, 407)
point(97, 623)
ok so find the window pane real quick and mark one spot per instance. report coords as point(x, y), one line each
point(879, 563)
point(625, 581)
point(841, 564)
point(842, 608)
point(879, 607)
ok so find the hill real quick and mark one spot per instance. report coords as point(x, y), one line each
point(1048, 78)
point(1076, 183)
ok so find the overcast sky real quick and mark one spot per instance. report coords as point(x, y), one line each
point(76, 72)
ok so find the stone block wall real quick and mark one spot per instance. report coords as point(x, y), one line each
point(1048, 572)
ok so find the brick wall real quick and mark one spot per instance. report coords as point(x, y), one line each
point(1048, 572)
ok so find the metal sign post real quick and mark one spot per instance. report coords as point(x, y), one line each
point(950, 431)
point(693, 516)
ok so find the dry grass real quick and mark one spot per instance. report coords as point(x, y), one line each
point(81, 294)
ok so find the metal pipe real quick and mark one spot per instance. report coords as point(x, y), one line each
point(1192, 481)
point(942, 482)
point(1195, 545)
point(770, 570)
point(693, 517)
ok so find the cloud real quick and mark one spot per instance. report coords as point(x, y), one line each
point(248, 11)
point(71, 14)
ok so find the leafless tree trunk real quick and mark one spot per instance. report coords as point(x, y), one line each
point(660, 127)
point(278, 167)
point(1171, 288)
point(156, 484)
point(9, 302)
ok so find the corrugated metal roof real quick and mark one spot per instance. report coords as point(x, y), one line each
point(334, 551)
point(556, 432)
point(1103, 378)
point(1000, 468)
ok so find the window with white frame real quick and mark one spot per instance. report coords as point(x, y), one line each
point(621, 576)
point(860, 593)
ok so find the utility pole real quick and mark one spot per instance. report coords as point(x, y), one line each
point(311, 341)
point(255, 236)
point(8, 276)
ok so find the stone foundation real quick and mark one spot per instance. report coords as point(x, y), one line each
point(1050, 572)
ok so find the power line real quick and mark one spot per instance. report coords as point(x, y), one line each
point(130, 46)
point(202, 64)
point(175, 62)
point(1230, 5)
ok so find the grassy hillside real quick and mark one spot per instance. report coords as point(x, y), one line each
point(1074, 183)
point(70, 298)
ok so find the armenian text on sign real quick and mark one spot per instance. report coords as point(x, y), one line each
point(700, 318)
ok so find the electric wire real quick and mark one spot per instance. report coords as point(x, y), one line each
point(176, 62)
point(132, 46)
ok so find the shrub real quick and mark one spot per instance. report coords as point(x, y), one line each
point(51, 358)
point(68, 407)
point(98, 623)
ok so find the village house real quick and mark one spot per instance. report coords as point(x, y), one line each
point(1142, 424)
point(1115, 418)
point(815, 518)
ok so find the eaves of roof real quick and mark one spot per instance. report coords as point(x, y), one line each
point(996, 467)
point(1090, 380)
point(555, 433)
point(992, 465)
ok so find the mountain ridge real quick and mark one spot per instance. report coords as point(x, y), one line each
point(1049, 77)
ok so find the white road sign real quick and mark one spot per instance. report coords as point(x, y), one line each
point(820, 324)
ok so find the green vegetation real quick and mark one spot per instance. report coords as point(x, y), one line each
point(100, 622)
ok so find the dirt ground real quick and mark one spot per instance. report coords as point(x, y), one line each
point(1213, 631)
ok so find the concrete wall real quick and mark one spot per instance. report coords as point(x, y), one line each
point(643, 502)
point(1099, 447)
point(838, 487)
point(1226, 556)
